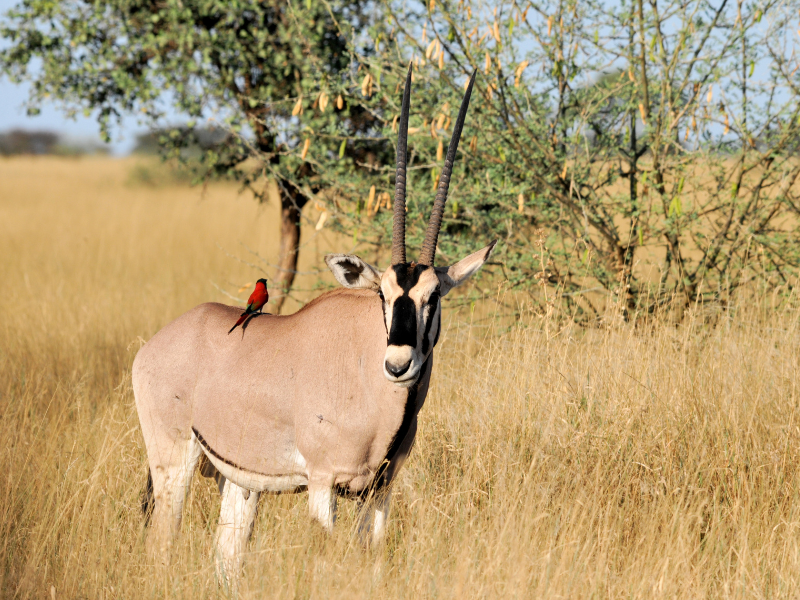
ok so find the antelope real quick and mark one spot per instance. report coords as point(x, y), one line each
point(324, 400)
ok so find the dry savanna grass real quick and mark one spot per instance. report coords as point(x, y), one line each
point(641, 461)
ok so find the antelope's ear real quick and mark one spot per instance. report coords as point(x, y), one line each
point(450, 277)
point(352, 272)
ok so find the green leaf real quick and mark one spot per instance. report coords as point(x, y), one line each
point(675, 207)
point(342, 148)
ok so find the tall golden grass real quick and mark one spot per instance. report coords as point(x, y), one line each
point(641, 461)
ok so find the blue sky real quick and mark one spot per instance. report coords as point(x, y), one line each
point(12, 114)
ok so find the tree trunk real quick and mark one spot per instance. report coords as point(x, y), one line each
point(292, 202)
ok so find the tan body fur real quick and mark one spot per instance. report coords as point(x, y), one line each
point(325, 399)
point(328, 418)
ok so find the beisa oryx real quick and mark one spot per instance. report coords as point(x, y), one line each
point(325, 399)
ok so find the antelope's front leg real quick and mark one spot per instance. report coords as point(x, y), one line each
point(236, 517)
point(373, 517)
point(322, 503)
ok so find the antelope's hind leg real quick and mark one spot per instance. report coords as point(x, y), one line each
point(373, 514)
point(236, 517)
point(171, 475)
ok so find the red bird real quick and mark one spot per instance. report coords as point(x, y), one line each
point(255, 303)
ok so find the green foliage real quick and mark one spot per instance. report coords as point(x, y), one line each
point(622, 152)
point(241, 66)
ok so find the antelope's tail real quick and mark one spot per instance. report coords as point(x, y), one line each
point(148, 498)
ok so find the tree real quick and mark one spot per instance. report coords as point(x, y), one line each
point(272, 73)
point(633, 153)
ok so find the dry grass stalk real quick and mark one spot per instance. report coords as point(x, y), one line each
point(641, 460)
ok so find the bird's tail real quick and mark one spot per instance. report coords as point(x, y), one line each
point(239, 322)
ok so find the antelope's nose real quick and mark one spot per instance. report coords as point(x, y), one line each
point(397, 370)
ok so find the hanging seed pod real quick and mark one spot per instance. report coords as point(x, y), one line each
point(564, 172)
point(473, 144)
point(366, 85)
point(641, 111)
point(549, 25)
point(520, 203)
point(439, 151)
point(394, 123)
point(686, 137)
point(440, 122)
point(298, 107)
point(432, 5)
point(496, 32)
point(323, 101)
point(727, 126)
point(339, 102)
point(429, 50)
point(434, 135)
point(321, 223)
point(370, 199)
point(710, 94)
point(488, 64)
point(306, 146)
point(694, 123)
point(424, 33)
point(520, 68)
point(441, 59)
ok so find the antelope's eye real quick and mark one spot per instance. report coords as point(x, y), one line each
point(380, 294)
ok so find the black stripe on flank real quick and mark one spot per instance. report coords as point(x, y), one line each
point(211, 451)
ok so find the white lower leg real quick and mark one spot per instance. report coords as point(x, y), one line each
point(322, 505)
point(381, 517)
point(236, 517)
point(373, 516)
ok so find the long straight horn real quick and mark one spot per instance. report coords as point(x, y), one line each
point(428, 253)
point(399, 225)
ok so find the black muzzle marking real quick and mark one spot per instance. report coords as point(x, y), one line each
point(404, 323)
